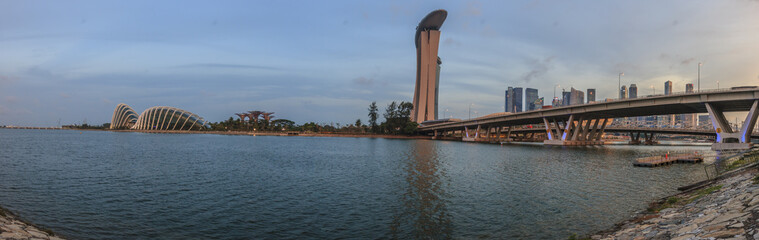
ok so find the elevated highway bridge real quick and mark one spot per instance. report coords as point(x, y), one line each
point(585, 124)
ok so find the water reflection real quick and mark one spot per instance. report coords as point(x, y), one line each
point(424, 213)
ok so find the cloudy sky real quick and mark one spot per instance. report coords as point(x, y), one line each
point(326, 61)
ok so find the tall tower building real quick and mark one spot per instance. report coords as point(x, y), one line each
point(591, 95)
point(576, 97)
point(566, 97)
point(518, 100)
point(427, 40)
point(509, 106)
point(506, 102)
point(667, 87)
point(689, 88)
point(623, 92)
point(633, 91)
point(530, 96)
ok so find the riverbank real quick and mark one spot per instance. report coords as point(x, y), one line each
point(726, 208)
point(11, 227)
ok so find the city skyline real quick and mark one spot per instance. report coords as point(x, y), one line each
point(76, 60)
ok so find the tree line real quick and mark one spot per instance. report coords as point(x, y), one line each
point(397, 120)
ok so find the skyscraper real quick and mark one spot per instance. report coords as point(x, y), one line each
point(565, 97)
point(506, 103)
point(538, 104)
point(633, 91)
point(576, 97)
point(427, 39)
point(690, 119)
point(667, 87)
point(591, 95)
point(623, 92)
point(514, 101)
point(518, 100)
point(530, 96)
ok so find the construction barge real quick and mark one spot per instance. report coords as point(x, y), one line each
point(667, 159)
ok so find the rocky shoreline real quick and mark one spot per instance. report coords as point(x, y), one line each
point(11, 227)
point(725, 208)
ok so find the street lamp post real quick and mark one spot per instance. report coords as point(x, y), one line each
point(717, 84)
point(653, 90)
point(470, 111)
point(446, 113)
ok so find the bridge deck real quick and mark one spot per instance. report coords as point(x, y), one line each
point(685, 103)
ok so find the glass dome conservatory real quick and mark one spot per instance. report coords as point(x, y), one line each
point(157, 118)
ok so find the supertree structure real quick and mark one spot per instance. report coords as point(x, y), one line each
point(268, 116)
point(253, 115)
point(242, 116)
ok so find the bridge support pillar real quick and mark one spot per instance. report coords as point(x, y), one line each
point(634, 138)
point(578, 131)
point(498, 134)
point(650, 139)
point(727, 138)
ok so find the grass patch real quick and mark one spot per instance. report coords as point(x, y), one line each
point(670, 202)
point(756, 179)
point(708, 190)
point(744, 160)
point(676, 201)
point(704, 192)
point(575, 237)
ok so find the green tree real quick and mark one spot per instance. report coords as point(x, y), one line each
point(281, 124)
point(373, 117)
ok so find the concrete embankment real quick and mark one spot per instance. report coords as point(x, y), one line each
point(727, 208)
point(11, 227)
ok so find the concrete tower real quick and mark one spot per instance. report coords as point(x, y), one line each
point(427, 40)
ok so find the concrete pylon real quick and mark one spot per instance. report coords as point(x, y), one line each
point(579, 131)
point(727, 138)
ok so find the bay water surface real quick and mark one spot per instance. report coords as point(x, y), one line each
point(123, 185)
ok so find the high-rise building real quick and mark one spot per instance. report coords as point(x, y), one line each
point(538, 104)
point(530, 96)
point(565, 97)
point(509, 95)
point(518, 100)
point(427, 39)
point(577, 97)
point(691, 120)
point(623, 92)
point(667, 87)
point(591, 95)
point(556, 102)
point(514, 101)
point(633, 91)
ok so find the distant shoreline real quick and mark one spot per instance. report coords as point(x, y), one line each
point(282, 134)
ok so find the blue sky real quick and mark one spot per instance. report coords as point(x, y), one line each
point(326, 61)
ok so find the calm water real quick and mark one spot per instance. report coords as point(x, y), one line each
point(96, 185)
